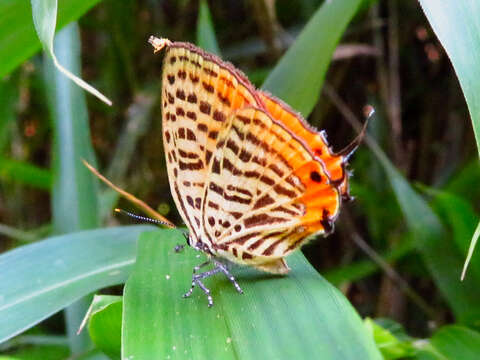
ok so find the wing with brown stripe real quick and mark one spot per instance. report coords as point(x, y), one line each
point(316, 140)
point(267, 193)
point(249, 177)
point(199, 94)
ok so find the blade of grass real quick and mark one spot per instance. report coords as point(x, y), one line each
point(45, 19)
point(453, 342)
point(25, 173)
point(8, 98)
point(277, 317)
point(306, 61)
point(37, 280)
point(205, 31)
point(19, 42)
point(457, 27)
point(461, 218)
point(74, 192)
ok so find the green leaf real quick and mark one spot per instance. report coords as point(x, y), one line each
point(389, 345)
point(45, 18)
point(456, 25)
point(439, 252)
point(40, 279)
point(296, 316)
point(74, 191)
point(452, 343)
point(25, 173)
point(105, 324)
point(39, 353)
point(74, 188)
point(8, 98)
point(19, 42)
point(298, 77)
point(205, 31)
point(461, 218)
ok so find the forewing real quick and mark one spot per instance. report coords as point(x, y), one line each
point(267, 193)
point(199, 94)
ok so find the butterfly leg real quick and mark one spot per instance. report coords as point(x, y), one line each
point(197, 280)
point(228, 274)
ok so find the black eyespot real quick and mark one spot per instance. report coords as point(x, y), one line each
point(315, 176)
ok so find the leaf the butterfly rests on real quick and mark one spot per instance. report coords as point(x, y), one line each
point(251, 179)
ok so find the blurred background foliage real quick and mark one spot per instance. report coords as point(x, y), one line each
point(388, 57)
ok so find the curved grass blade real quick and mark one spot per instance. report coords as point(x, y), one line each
point(45, 19)
point(459, 214)
point(306, 61)
point(40, 279)
point(456, 25)
point(19, 42)
point(296, 316)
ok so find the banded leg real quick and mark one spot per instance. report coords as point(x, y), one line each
point(228, 274)
point(197, 279)
point(194, 275)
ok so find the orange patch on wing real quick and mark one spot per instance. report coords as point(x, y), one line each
point(315, 141)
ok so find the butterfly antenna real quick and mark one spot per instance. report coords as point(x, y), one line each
point(348, 150)
point(141, 218)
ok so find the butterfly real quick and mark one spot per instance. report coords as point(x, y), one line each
point(250, 178)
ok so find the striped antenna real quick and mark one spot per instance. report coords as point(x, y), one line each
point(142, 218)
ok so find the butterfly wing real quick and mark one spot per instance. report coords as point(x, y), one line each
point(267, 192)
point(316, 140)
point(251, 180)
point(199, 93)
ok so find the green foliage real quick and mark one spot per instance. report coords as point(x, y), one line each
point(206, 38)
point(461, 40)
point(105, 324)
point(299, 83)
point(74, 190)
point(277, 317)
point(451, 342)
point(24, 173)
point(40, 279)
point(19, 42)
point(38, 353)
point(391, 346)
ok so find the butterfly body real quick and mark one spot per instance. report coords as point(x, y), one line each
point(251, 180)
